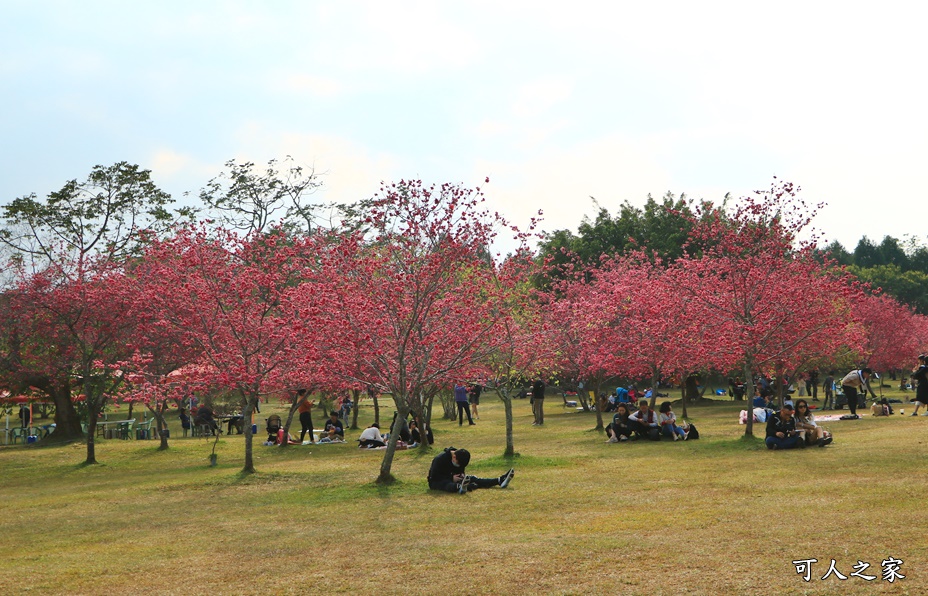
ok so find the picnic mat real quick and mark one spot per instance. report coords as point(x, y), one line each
point(832, 417)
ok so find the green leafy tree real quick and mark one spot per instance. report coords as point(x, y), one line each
point(250, 200)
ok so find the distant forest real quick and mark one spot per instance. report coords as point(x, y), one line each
point(900, 268)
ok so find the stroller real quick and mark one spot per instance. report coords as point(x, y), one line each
point(273, 427)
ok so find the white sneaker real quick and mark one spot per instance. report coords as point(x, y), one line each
point(507, 478)
point(623, 438)
point(676, 437)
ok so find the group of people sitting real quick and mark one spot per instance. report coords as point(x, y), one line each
point(621, 395)
point(334, 432)
point(793, 427)
point(646, 423)
point(409, 435)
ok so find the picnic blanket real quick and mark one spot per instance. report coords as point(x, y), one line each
point(834, 417)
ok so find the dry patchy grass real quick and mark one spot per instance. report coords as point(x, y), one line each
point(716, 516)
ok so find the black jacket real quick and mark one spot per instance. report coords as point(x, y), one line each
point(775, 425)
point(443, 469)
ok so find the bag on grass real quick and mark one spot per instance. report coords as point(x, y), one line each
point(692, 433)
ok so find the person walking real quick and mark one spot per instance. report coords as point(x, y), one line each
point(538, 401)
point(852, 381)
point(460, 399)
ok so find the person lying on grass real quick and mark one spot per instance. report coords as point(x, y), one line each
point(447, 473)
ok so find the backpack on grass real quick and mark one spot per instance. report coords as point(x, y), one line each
point(692, 433)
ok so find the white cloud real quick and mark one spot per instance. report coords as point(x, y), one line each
point(560, 182)
point(323, 87)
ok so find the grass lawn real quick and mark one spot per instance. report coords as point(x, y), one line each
point(721, 515)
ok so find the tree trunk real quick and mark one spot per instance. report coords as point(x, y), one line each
point(505, 395)
point(357, 403)
point(249, 467)
point(683, 401)
point(293, 408)
point(160, 424)
point(67, 422)
point(386, 477)
point(749, 396)
point(376, 408)
point(597, 385)
point(91, 447)
point(655, 381)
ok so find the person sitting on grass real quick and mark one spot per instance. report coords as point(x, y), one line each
point(805, 420)
point(881, 408)
point(644, 422)
point(333, 432)
point(781, 430)
point(371, 438)
point(447, 473)
point(621, 428)
point(668, 422)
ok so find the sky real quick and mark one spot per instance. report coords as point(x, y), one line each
point(555, 102)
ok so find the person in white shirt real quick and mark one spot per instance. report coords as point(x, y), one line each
point(854, 381)
point(371, 437)
point(644, 422)
point(668, 421)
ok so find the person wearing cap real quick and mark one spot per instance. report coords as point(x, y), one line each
point(854, 380)
point(447, 473)
point(781, 430)
point(920, 374)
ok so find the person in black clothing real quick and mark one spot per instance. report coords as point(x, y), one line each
point(621, 427)
point(473, 397)
point(25, 415)
point(812, 385)
point(781, 430)
point(334, 431)
point(447, 473)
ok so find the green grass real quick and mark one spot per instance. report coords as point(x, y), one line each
point(722, 515)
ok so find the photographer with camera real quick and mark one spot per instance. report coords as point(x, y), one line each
point(781, 430)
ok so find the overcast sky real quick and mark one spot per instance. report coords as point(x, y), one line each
point(555, 102)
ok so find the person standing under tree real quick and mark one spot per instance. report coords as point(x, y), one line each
point(475, 390)
point(460, 400)
point(828, 386)
point(854, 380)
point(920, 375)
point(812, 385)
point(306, 416)
point(538, 401)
